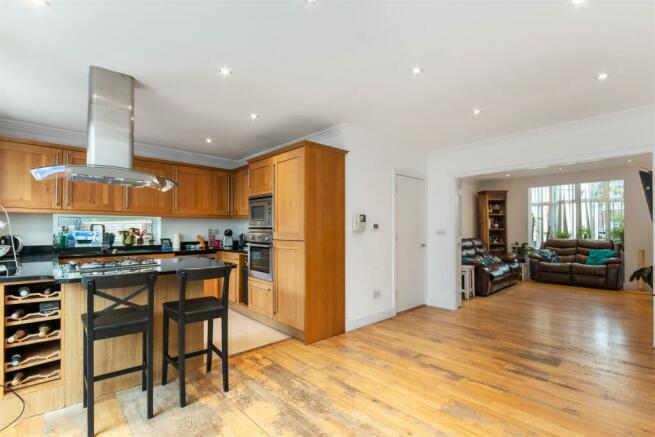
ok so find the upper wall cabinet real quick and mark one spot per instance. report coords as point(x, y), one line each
point(289, 199)
point(193, 195)
point(260, 177)
point(89, 197)
point(240, 193)
point(221, 190)
point(18, 189)
point(146, 200)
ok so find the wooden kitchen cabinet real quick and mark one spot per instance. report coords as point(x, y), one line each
point(221, 190)
point(145, 200)
point(289, 282)
point(193, 195)
point(214, 287)
point(260, 177)
point(240, 193)
point(289, 198)
point(89, 197)
point(18, 189)
point(260, 296)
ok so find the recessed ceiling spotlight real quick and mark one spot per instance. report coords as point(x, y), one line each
point(208, 140)
point(40, 3)
point(560, 169)
point(577, 2)
point(602, 76)
point(310, 1)
point(507, 175)
point(225, 71)
point(253, 116)
point(417, 70)
point(629, 160)
point(477, 111)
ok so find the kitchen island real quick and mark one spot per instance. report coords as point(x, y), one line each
point(52, 364)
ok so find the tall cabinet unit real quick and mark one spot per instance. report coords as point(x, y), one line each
point(309, 239)
point(493, 221)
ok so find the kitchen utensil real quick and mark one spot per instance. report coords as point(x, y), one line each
point(176, 241)
point(227, 239)
point(5, 240)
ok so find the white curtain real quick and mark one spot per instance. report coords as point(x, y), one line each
point(584, 210)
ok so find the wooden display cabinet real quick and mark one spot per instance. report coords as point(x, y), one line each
point(493, 221)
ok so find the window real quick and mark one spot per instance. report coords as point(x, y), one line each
point(589, 210)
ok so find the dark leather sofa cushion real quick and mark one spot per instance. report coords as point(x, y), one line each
point(588, 270)
point(560, 278)
point(555, 267)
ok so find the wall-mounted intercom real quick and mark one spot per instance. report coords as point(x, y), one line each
point(359, 223)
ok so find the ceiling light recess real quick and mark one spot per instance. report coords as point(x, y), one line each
point(477, 111)
point(253, 116)
point(602, 76)
point(417, 70)
point(224, 71)
point(208, 140)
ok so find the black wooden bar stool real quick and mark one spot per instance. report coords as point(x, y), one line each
point(123, 317)
point(201, 309)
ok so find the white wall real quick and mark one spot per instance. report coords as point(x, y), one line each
point(36, 229)
point(469, 208)
point(624, 133)
point(370, 167)
point(637, 218)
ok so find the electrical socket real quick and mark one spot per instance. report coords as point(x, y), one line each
point(376, 294)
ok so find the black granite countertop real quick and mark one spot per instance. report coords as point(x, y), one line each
point(30, 269)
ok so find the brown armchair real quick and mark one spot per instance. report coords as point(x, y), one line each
point(573, 268)
point(489, 278)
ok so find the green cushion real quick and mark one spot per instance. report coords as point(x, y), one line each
point(598, 257)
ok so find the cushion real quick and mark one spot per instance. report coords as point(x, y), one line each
point(599, 256)
point(555, 267)
point(589, 270)
point(548, 256)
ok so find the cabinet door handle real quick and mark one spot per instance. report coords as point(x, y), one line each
point(57, 201)
point(126, 198)
point(69, 184)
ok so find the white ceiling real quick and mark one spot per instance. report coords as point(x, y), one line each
point(642, 161)
point(305, 67)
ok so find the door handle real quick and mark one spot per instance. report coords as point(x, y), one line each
point(423, 244)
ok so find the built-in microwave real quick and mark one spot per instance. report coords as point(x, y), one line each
point(261, 212)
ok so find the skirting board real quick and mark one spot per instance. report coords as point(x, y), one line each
point(367, 320)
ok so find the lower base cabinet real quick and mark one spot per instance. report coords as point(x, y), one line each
point(289, 274)
point(214, 287)
point(260, 297)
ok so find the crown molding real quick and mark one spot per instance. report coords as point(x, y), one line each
point(332, 136)
point(33, 131)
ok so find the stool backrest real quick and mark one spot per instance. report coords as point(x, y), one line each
point(96, 285)
point(204, 274)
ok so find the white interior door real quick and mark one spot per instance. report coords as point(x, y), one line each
point(411, 240)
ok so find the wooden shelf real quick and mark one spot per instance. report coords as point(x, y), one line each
point(33, 318)
point(48, 373)
point(34, 339)
point(11, 299)
point(496, 215)
point(47, 353)
point(496, 229)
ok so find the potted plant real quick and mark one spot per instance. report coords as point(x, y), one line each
point(563, 234)
point(522, 250)
point(583, 233)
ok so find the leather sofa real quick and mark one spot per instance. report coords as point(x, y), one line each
point(573, 268)
point(489, 278)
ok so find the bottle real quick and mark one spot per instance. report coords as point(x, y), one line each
point(23, 291)
point(17, 314)
point(18, 377)
point(62, 237)
point(16, 336)
point(70, 238)
point(44, 330)
point(15, 360)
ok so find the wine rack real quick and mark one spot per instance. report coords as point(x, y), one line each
point(31, 319)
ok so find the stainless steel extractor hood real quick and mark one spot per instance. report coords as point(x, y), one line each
point(110, 147)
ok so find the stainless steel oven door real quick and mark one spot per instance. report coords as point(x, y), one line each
point(260, 261)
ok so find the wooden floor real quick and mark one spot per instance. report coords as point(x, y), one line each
point(531, 360)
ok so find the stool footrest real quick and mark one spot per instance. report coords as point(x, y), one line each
point(115, 373)
point(173, 360)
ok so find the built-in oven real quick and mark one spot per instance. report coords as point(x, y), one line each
point(260, 254)
point(261, 212)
